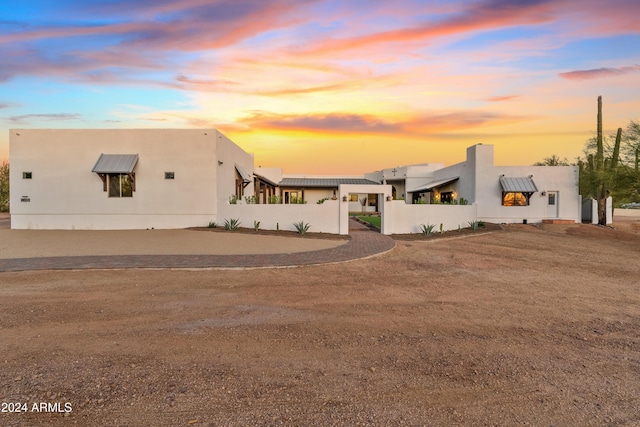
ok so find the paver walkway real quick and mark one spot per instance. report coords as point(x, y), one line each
point(363, 243)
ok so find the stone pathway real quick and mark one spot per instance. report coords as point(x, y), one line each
point(363, 244)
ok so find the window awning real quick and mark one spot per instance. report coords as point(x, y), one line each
point(518, 184)
point(264, 179)
point(245, 176)
point(115, 163)
point(435, 184)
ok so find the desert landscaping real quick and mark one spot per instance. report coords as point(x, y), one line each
point(520, 325)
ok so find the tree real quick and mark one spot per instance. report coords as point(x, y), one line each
point(622, 164)
point(4, 187)
point(631, 144)
point(553, 161)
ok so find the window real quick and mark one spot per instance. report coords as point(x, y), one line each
point(353, 198)
point(169, 175)
point(120, 185)
point(515, 199)
point(27, 175)
point(446, 197)
point(552, 198)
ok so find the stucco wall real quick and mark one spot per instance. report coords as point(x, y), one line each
point(323, 218)
point(561, 179)
point(628, 213)
point(65, 194)
point(228, 156)
point(408, 218)
point(480, 183)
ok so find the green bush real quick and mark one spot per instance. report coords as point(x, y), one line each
point(212, 224)
point(4, 187)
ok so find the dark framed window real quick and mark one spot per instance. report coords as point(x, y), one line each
point(120, 185)
point(551, 198)
point(515, 199)
point(27, 175)
point(446, 197)
point(169, 175)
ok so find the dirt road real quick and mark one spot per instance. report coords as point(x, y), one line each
point(526, 326)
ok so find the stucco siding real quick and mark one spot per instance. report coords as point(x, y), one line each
point(64, 193)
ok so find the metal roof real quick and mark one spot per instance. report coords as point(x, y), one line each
point(518, 184)
point(245, 176)
point(115, 163)
point(265, 179)
point(323, 182)
point(435, 184)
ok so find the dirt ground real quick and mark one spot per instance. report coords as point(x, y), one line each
point(522, 326)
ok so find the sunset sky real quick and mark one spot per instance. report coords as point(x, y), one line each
point(328, 86)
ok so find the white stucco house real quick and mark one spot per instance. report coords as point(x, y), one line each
point(170, 178)
point(503, 194)
point(123, 178)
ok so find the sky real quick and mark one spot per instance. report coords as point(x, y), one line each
point(328, 86)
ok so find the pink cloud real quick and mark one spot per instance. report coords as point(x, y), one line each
point(485, 15)
point(367, 123)
point(192, 26)
point(27, 117)
point(335, 122)
point(599, 73)
point(501, 98)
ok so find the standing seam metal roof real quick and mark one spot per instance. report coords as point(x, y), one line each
point(115, 163)
point(323, 182)
point(518, 184)
point(435, 184)
point(245, 176)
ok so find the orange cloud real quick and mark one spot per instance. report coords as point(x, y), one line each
point(599, 73)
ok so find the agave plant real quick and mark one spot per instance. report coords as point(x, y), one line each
point(302, 227)
point(474, 225)
point(427, 229)
point(231, 224)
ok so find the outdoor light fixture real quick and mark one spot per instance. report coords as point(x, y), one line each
point(388, 198)
point(344, 198)
point(544, 193)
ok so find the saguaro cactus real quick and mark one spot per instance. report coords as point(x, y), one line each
point(603, 173)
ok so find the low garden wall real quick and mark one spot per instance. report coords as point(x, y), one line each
point(629, 213)
point(408, 218)
point(324, 218)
